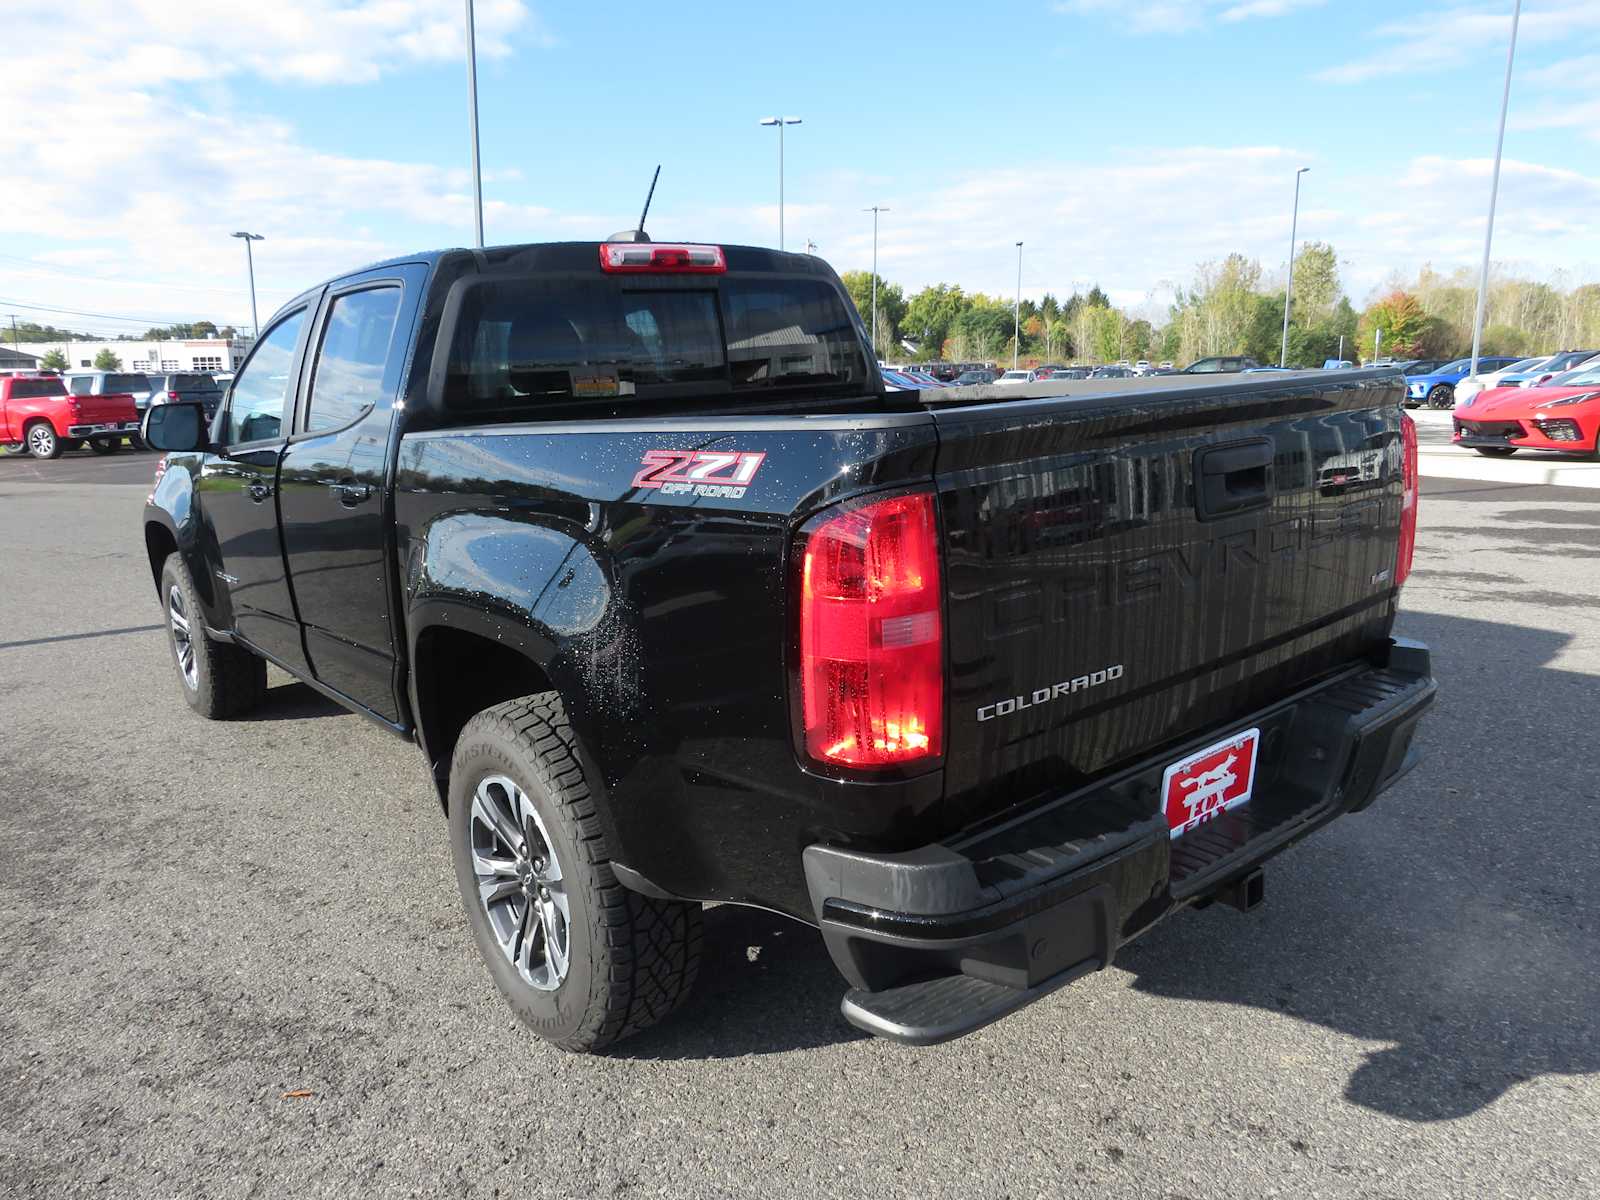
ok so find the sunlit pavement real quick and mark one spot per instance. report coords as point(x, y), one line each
point(233, 961)
point(1442, 460)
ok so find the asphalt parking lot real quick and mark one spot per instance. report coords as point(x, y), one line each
point(202, 921)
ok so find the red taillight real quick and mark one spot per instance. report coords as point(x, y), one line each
point(662, 258)
point(75, 408)
point(172, 395)
point(1410, 489)
point(871, 637)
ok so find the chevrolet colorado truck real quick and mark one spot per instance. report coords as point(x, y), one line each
point(38, 414)
point(682, 605)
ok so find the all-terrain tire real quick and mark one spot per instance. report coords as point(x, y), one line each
point(105, 445)
point(220, 679)
point(632, 960)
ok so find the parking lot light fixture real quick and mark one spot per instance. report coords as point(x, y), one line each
point(780, 122)
point(250, 263)
point(1288, 293)
point(875, 210)
point(1494, 192)
point(472, 126)
point(1016, 313)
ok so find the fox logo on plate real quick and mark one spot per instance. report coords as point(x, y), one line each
point(1203, 786)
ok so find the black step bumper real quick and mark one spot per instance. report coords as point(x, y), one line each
point(939, 941)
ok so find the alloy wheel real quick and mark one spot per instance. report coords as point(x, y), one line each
point(41, 441)
point(520, 883)
point(182, 638)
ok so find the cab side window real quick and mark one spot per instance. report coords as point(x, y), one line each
point(260, 398)
point(348, 377)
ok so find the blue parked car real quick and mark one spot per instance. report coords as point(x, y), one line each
point(1437, 388)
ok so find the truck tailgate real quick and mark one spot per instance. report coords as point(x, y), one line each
point(111, 408)
point(1125, 569)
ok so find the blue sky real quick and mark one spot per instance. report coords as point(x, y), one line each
point(1123, 142)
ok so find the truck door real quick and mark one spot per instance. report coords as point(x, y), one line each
point(331, 483)
point(237, 486)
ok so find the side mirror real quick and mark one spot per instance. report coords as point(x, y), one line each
point(180, 427)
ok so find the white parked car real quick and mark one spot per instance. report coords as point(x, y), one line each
point(1469, 387)
point(1012, 378)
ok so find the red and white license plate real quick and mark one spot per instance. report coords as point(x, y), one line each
point(1209, 782)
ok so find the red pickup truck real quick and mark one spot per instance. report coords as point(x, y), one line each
point(38, 413)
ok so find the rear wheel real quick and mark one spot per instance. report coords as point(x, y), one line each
point(220, 679)
point(1496, 451)
point(42, 440)
point(582, 960)
point(105, 445)
point(1441, 395)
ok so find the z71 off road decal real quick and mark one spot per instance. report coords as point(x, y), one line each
point(710, 473)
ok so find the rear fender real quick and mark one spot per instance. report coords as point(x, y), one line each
point(537, 585)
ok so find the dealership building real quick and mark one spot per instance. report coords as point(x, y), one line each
point(194, 354)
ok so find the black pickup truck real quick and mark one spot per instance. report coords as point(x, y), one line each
point(682, 606)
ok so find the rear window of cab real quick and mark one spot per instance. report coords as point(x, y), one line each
point(521, 341)
point(30, 389)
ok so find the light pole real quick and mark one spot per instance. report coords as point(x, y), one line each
point(1294, 222)
point(472, 126)
point(875, 210)
point(780, 122)
point(1494, 192)
point(250, 262)
point(1016, 313)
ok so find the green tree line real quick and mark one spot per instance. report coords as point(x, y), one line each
point(1228, 308)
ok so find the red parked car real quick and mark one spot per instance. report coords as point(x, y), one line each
point(39, 414)
point(1564, 414)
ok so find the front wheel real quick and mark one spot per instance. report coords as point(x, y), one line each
point(1442, 396)
point(1496, 451)
point(42, 440)
point(220, 679)
point(581, 959)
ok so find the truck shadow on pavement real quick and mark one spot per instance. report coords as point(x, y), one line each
point(294, 702)
point(766, 985)
point(1456, 920)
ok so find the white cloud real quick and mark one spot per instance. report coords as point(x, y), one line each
point(300, 41)
point(88, 145)
point(1136, 223)
point(1121, 227)
point(1464, 36)
point(1180, 16)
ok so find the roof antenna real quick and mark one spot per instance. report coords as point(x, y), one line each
point(639, 235)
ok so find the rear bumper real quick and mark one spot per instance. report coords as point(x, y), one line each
point(120, 428)
point(938, 941)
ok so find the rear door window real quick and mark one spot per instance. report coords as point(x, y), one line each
point(81, 385)
point(127, 383)
point(348, 377)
